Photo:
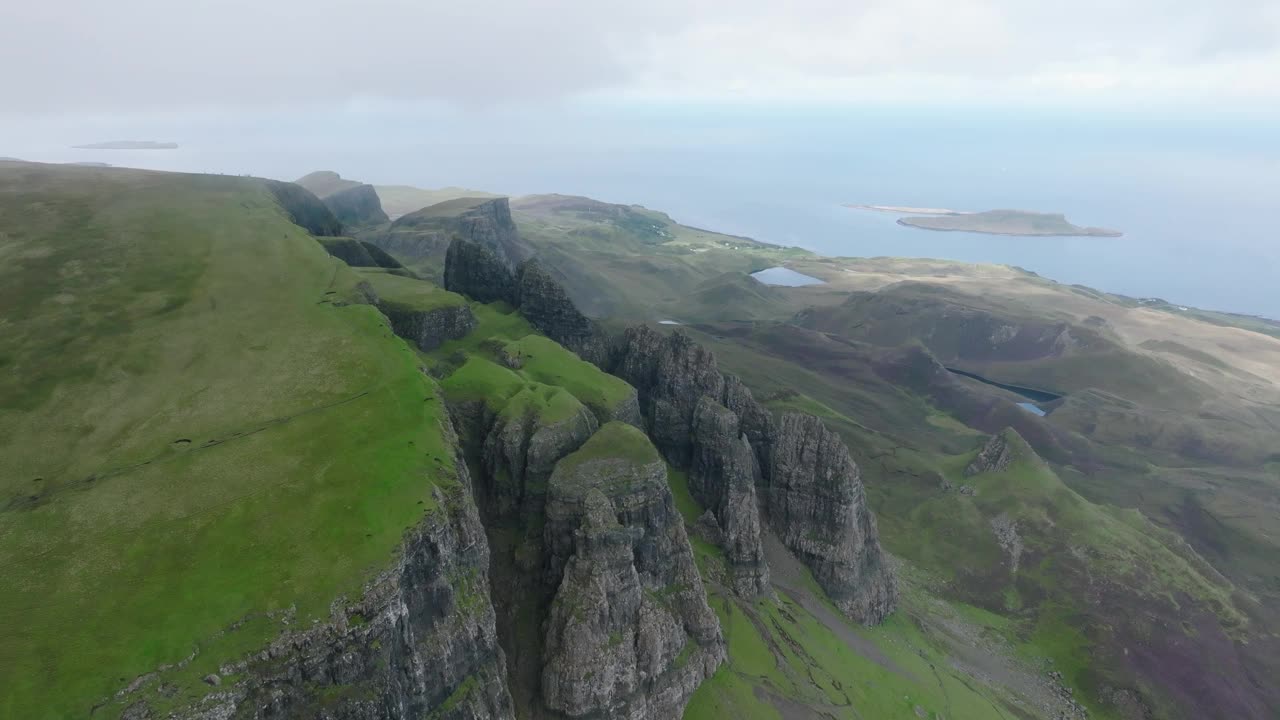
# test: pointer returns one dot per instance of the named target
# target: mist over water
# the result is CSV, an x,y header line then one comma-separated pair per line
x,y
1197,197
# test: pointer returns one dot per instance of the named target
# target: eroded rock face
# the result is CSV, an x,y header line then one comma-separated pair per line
x,y
421,238
305,209
421,640
993,457
722,477
671,373
359,254
476,271
630,634
520,452
547,307
999,452
816,504
357,205
733,449
429,329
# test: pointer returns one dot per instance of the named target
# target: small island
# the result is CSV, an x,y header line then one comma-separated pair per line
x,y
991,222
128,145
1006,222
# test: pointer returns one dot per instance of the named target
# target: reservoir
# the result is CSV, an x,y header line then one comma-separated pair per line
x,y
784,276
1032,408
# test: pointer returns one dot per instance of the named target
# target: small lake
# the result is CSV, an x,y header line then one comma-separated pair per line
x,y
784,276
1032,408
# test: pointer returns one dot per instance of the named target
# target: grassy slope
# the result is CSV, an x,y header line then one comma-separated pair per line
x,y
408,292
471,368
193,434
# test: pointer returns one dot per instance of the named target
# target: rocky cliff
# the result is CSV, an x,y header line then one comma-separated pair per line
x,y
356,206
722,477
815,501
810,489
428,328
305,209
476,271
537,427
630,634
353,203
420,642
357,253
421,238
708,423
547,306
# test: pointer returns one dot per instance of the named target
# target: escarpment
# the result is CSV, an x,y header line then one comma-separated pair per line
x,y
547,306
740,461
428,328
358,205
537,427
353,203
357,253
305,209
630,634
810,489
421,239
421,640
815,501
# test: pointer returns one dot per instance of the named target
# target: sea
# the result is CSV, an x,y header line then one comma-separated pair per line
x,y
1195,192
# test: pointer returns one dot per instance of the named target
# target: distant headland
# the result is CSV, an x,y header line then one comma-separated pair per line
x,y
128,145
991,222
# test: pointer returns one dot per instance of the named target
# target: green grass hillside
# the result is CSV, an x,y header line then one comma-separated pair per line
x,y
195,436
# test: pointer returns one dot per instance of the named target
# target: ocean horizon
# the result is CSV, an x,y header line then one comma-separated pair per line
x,y
1196,197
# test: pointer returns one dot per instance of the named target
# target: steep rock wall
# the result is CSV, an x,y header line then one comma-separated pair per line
x,y
630,634
429,329
358,205
816,503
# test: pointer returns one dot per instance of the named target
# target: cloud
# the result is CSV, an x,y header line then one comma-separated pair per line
x,y
147,54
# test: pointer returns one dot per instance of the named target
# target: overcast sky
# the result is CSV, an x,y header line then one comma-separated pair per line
x,y
59,55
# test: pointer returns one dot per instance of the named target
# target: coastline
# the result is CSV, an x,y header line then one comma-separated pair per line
x,y
906,210
1099,232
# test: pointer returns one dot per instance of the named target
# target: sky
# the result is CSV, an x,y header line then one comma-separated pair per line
x,y
85,56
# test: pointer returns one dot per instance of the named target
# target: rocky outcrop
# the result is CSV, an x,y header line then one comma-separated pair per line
x,y
423,237
815,502
722,477
359,254
630,634
999,452
305,209
476,271
539,426
431,328
420,642
547,307
671,373
706,422
994,456
357,205
352,202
